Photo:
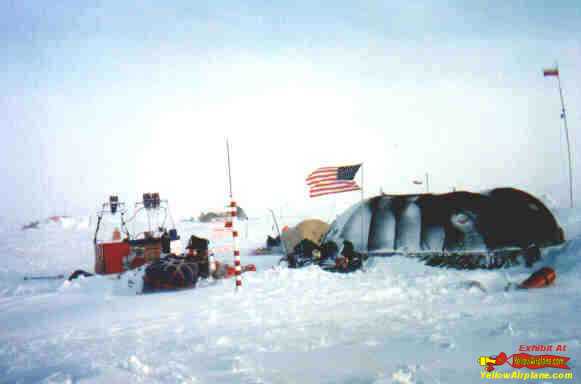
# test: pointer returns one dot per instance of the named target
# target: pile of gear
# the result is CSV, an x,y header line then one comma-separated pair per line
x,y
326,255
176,272
303,247
173,272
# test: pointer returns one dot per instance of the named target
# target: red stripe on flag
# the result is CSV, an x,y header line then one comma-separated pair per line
x,y
321,175
322,178
335,184
334,190
322,170
551,72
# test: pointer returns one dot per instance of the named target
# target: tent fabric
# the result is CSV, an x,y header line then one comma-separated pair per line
x,y
458,221
311,229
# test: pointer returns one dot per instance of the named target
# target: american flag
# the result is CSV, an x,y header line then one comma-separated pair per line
x,y
327,180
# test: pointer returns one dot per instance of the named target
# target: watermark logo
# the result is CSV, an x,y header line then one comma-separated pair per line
x,y
524,359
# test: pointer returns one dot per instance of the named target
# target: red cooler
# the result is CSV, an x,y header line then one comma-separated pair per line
x,y
109,257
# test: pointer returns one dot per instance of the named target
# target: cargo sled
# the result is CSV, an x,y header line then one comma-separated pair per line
x,y
118,249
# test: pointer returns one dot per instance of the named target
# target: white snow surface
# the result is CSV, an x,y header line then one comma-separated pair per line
x,y
398,321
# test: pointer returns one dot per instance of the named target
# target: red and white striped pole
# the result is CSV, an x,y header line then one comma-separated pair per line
x,y
230,224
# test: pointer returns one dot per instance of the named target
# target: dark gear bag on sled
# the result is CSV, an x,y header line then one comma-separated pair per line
x,y
197,243
348,261
199,246
306,252
169,273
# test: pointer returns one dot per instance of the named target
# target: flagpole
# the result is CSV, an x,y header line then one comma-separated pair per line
x,y
229,174
564,117
362,211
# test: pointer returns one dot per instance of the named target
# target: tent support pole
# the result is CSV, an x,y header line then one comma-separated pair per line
x,y
362,211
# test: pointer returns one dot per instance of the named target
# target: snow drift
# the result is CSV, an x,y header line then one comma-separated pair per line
x,y
400,322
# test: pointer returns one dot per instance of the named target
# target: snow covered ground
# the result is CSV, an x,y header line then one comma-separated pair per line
x,y
398,322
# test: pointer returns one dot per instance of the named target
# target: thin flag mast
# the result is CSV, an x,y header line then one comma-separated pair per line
x,y
364,247
228,165
555,72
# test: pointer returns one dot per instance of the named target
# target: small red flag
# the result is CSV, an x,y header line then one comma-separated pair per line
x,y
551,72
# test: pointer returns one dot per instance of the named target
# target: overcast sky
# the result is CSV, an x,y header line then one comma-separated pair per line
x,y
118,97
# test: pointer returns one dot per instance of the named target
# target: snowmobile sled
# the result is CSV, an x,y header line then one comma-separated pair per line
x,y
493,229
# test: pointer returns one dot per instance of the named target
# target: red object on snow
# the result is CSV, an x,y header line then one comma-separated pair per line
x,y
231,270
109,257
540,279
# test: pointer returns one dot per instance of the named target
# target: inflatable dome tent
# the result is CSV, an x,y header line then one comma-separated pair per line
x,y
500,222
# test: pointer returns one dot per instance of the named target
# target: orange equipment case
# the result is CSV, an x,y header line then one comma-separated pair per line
x,y
109,257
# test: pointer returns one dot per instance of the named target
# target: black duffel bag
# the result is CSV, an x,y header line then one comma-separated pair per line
x,y
170,273
198,252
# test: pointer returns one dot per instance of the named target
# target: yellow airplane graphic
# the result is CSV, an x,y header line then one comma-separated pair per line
x,y
486,360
